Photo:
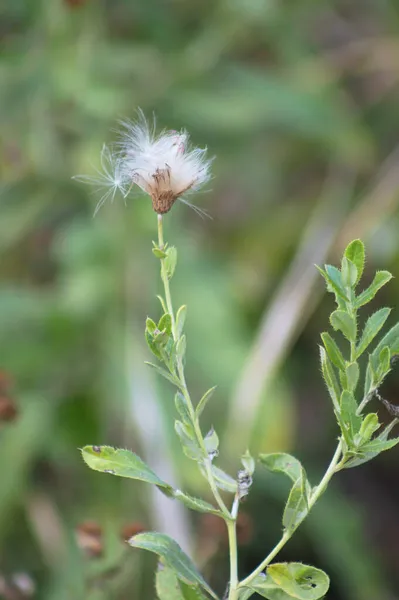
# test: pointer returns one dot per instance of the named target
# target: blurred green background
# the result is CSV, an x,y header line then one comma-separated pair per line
x,y
298,101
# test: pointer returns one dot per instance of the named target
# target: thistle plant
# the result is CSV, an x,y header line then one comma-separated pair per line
x,y
353,368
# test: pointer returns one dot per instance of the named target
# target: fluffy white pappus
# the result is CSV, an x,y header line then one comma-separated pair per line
x,y
164,166
110,178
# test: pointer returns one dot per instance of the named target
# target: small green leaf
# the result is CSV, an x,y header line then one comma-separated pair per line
x,y
350,419
299,581
372,449
123,463
204,400
380,279
170,261
330,378
334,353
282,463
211,442
195,503
248,462
158,253
189,443
222,479
372,327
169,587
297,504
165,324
342,321
167,584
349,274
173,556
352,376
391,340
355,252
180,320
150,326
183,408
162,301
368,427
152,345
172,378
181,348
332,276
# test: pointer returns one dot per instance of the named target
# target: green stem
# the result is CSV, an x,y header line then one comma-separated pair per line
x,y
180,369
318,491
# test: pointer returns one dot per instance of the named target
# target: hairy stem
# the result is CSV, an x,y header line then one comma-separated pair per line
x,y
180,369
317,492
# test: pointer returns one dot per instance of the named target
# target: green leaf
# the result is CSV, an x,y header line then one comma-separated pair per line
x,y
391,340
211,442
349,274
123,463
332,276
180,320
351,420
222,479
165,323
355,252
162,301
334,353
173,556
195,503
282,463
297,504
248,462
152,345
299,580
158,252
169,587
167,584
170,261
372,449
181,348
368,427
372,327
189,443
342,321
183,408
204,400
172,378
352,376
330,378
150,326
380,279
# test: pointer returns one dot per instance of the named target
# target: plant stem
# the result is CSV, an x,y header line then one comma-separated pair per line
x,y
318,491
180,369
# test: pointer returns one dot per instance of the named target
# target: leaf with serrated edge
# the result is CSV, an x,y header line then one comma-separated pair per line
x,y
373,325
173,556
334,353
342,321
121,462
355,252
363,457
380,279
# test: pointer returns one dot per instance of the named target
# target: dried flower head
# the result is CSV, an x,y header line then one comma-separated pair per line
x,y
163,165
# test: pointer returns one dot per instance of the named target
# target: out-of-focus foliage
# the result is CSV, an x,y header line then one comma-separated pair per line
x,y
290,97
